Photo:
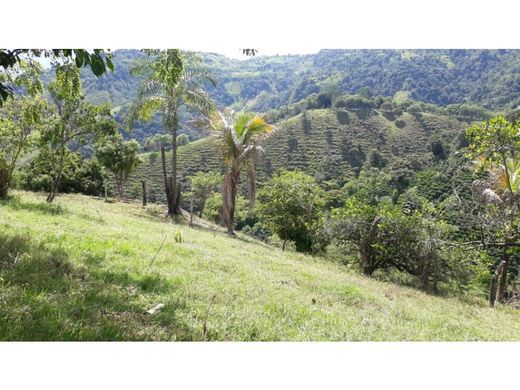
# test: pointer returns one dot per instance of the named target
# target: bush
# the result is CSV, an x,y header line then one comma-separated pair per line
x,y
203,184
213,207
183,139
342,117
291,206
400,123
258,231
405,238
79,175
356,102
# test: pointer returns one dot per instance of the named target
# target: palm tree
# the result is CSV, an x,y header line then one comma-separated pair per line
x,y
171,80
501,190
504,179
239,137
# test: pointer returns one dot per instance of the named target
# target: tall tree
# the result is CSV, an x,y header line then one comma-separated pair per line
x,y
239,137
171,80
496,146
73,124
19,118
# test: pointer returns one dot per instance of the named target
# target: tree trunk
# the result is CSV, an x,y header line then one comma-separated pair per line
x,y
494,284
430,267
191,211
251,188
119,188
366,251
502,286
176,209
4,178
167,188
54,188
57,180
229,193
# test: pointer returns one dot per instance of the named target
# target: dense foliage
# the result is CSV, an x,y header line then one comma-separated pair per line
x,y
118,157
291,206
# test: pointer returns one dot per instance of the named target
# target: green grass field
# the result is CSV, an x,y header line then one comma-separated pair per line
x,y
82,270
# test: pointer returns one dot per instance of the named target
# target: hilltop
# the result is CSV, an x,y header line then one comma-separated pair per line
x,y
484,78
83,269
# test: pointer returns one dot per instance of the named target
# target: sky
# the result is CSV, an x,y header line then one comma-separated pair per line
x,y
237,53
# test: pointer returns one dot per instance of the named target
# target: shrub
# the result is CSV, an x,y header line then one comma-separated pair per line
x,y
400,123
203,184
342,117
183,139
291,206
213,207
405,238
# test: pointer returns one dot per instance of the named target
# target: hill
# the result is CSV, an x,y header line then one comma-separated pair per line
x,y
486,78
326,143
87,270
440,77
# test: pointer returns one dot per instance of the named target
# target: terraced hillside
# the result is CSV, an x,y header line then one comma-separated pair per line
x,y
326,143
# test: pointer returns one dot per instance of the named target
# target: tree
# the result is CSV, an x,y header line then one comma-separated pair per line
x,y
154,143
213,207
120,158
406,237
495,145
98,61
73,123
291,205
79,175
332,88
371,186
171,80
203,184
183,139
239,137
19,118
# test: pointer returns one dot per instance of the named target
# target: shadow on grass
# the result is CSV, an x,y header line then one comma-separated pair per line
x,y
45,208
46,297
16,203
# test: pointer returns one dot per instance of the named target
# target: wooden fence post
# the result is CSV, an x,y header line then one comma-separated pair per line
x,y
191,210
145,199
171,200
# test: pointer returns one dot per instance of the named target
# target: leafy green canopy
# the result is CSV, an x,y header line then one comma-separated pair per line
x,y
98,61
118,157
291,206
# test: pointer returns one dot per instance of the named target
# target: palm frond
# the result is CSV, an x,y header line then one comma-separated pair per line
x,y
199,99
143,109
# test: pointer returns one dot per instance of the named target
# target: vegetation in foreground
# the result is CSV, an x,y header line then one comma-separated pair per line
x,y
83,269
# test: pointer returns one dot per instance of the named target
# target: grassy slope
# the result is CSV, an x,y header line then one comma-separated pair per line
x,y
328,149
81,270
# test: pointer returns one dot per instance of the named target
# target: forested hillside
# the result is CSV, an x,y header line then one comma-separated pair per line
x,y
440,77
